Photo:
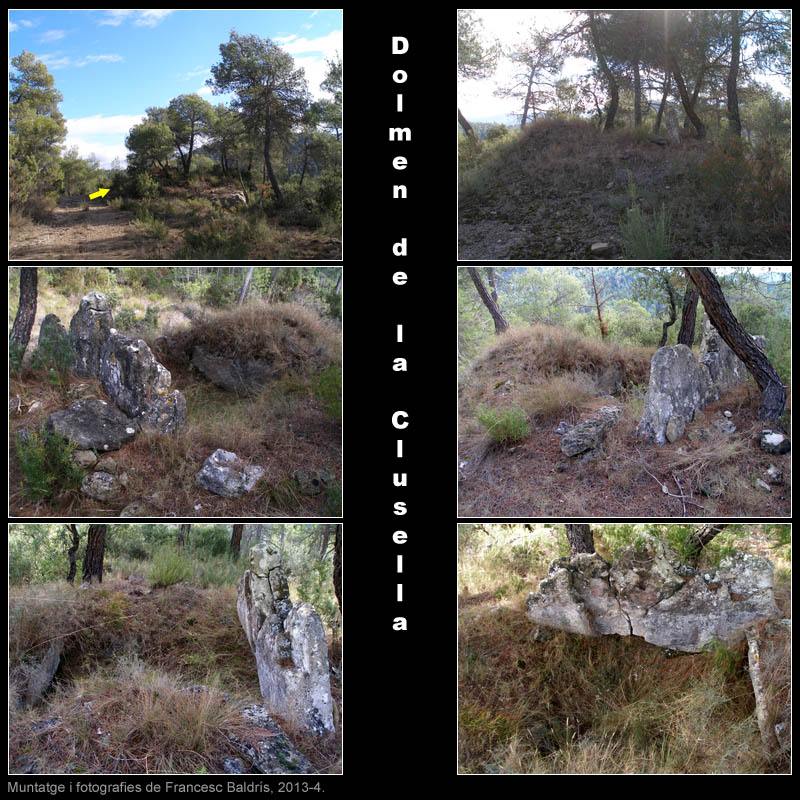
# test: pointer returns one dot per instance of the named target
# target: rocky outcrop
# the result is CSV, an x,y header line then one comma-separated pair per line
x,y
139,384
648,592
769,654
37,676
288,642
93,424
589,434
245,376
89,329
265,746
724,367
224,473
774,442
103,486
679,386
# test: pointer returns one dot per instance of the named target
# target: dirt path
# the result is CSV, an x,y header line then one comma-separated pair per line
x,y
101,233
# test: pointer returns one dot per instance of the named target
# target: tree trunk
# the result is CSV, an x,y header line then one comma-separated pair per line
x,y
598,306
325,540
773,392
273,180
663,105
337,565
183,533
688,315
246,285
613,86
581,539
500,324
686,101
637,95
465,126
673,314
72,552
700,538
527,104
734,120
95,550
26,313
236,540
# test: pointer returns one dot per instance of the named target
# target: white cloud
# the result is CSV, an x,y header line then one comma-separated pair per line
x,y
328,45
23,23
106,58
102,136
193,73
58,61
52,36
204,91
141,17
105,152
12,26
98,124
149,18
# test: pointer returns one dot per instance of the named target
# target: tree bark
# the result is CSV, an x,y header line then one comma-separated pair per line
x,y
273,180
183,533
702,537
465,126
500,324
26,312
673,314
663,105
95,551
581,539
337,565
246,285
686,101
613,86
236,540
598,306
734,120
773,392
688,315
637,95
72,552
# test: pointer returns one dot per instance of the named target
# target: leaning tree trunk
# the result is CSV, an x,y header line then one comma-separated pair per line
x,y
688,315
95,550
773,392
637,95
500,324
700,538
183,533
686,101
337,565
581,539
236,540
26,313
663,105
246,285
465,126
734,120
72,552
613,86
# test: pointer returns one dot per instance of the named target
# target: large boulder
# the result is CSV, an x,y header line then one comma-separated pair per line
x,y
245,376
139,384
103,486
88,331
93,424
265,746
649,592
589,434
289,644
725,368
679,387
224,473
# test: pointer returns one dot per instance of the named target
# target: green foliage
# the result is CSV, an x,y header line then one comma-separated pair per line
x,y
504,425
149,226
223,237
45,460
647,237
169,566
327,386
313,587
55,355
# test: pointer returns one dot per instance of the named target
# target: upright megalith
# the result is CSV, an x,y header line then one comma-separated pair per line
x,y
725,368
139,384
679,387
649,592
89,329
288,641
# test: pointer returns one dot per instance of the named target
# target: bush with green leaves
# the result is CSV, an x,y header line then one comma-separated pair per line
x,y
504,425
45,460
328,390
54,355
169,566
646,236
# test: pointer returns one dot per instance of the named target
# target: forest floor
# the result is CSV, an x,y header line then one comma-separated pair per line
x,y
571,704
122,700
285,428
100,232
715,472
562,186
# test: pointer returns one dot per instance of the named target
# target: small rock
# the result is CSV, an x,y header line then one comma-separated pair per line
x,y
713,486
675,428
774,475
107,464
727,414
562,427
562,466
233,766
225,474
762,485
14,404
101,486
85,459
774,442
724,426
137,508
600,249
34,407
312,482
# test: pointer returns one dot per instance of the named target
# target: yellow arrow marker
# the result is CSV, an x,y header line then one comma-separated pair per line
x,y
99,193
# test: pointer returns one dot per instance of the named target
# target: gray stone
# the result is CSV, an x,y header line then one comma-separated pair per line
x,y
313,482
85,459
245,376
139,384
289,644
265,746
679,386
53,338
727,414
774,475
774,442
724,426
724,366
38,674
88,331
649,593
233,766
224,473
675,427
137,508
93,424
233,200
672,126
561,428
762,485
601,249
713,485
590,433
101,486
107,464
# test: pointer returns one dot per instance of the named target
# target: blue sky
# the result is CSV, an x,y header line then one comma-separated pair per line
x,y
111,65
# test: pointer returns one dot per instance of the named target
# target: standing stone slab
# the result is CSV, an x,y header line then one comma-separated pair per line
x,y
139,384
726,369
245,376
93,424
89,329
589,434
672,126
224,473
288,642
679,387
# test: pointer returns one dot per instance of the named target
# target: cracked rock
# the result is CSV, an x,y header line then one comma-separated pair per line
x,y
589,434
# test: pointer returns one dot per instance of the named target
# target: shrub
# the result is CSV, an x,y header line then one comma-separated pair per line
x,y
143,185
647,237
169,567
328,390
504,425
145,224
46,464
54,354
561,395
221,237
40,207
